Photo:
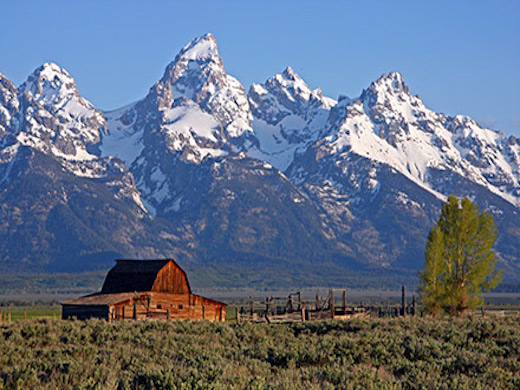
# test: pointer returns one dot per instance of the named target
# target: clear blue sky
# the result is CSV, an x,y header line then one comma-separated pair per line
x,y
460,56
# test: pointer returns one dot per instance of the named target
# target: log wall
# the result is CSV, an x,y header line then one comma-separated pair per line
x,y
169,307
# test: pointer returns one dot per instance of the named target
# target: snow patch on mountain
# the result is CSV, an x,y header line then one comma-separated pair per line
x,y
121,140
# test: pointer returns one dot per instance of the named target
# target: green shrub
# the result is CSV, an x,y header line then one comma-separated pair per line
x,y
410,353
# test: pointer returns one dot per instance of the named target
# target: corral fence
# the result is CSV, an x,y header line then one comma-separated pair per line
x,y
334,305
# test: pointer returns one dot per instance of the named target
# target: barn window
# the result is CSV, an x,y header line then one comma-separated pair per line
x,y
159,306
181,307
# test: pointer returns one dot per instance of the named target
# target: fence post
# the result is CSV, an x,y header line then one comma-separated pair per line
x,y
252,304
317,300
332,303
344,301
300,306
135,309
403,310
414,305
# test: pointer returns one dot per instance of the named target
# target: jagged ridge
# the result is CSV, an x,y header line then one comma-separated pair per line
x,y
367,173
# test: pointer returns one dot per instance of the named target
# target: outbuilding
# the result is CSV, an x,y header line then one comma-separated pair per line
x,y
139,289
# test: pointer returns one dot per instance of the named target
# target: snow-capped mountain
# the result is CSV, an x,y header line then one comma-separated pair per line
x,y
288,117
384,157
388,125
61,203
283,175
198,74
54,118
47,114
195,111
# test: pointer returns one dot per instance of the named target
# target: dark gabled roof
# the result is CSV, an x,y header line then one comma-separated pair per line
x,y
132,275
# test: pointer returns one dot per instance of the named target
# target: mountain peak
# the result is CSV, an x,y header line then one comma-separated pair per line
x,y
290,74
49,84
196,65
199,49
391,91
291,83
51,71
393,82
198,74
56,119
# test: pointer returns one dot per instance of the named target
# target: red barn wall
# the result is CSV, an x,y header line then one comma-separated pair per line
x,y
171,279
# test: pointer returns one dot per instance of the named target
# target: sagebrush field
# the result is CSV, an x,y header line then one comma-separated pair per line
x,y
406,353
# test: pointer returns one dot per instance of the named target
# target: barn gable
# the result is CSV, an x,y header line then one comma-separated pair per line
x,y
146,275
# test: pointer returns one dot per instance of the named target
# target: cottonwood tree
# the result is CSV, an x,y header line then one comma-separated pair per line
x,y
459,259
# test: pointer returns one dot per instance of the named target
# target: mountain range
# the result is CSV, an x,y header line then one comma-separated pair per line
x,y
279,185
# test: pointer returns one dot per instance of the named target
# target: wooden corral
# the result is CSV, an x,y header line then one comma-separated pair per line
x,y
138,289
295,310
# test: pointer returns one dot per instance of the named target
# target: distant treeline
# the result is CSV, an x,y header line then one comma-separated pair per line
x,y
226,280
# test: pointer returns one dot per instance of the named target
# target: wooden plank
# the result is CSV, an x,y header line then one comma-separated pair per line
x,y
172,279
332,313
403,303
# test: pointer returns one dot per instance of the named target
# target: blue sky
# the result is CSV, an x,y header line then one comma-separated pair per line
x,y
460,56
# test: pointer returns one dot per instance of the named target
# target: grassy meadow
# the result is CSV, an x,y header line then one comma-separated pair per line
x,y
402,353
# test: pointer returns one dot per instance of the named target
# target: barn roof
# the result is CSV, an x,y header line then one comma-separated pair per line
x,y
101,299
135,275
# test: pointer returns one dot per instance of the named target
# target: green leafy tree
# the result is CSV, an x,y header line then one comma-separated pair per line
x,y
432,289
459,259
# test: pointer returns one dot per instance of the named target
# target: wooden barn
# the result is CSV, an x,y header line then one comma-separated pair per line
x,y
138,289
